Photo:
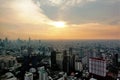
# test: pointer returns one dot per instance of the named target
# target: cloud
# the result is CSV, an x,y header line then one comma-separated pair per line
x,y
111,1
22,11
22,18
77,2
81,11
63,3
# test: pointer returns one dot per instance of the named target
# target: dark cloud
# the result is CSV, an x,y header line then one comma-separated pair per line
x,y
99,11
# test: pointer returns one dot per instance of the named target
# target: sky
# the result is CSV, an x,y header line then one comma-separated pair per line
x,y
39,19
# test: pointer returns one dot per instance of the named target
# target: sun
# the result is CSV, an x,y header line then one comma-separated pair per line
x,y
59,24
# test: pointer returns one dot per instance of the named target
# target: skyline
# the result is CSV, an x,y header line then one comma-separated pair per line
x,y
40,19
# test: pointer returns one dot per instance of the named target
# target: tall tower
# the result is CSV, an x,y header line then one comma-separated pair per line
x,y
6,43
29,41
53,59
66,62
43,75
115,60
71,59
72,63
70,51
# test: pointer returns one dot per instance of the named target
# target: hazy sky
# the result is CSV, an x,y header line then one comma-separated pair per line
x,y
83,19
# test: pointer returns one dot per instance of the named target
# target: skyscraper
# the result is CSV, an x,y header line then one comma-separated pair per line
x,y
53,59
43,75
72,62
66,62
78,65
59,59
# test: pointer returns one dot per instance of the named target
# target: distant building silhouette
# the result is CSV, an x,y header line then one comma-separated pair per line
x,y
68,62
53,60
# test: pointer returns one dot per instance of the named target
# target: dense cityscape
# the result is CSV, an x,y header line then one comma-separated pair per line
x,y
59,59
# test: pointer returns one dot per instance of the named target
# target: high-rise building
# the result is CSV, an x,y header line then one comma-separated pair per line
x,y
97,66
28,76
53,59
115,60
66,63
78,65
72,63
43,75
70,50
118,60
59,59
72,59
116,63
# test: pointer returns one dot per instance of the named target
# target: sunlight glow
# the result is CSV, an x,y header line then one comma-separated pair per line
x,y
26,6
59,24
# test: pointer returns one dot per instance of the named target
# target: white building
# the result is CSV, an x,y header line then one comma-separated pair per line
x,y
78,65
43,75
97,66
28,76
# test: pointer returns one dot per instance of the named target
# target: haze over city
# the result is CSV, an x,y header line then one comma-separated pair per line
x,y
60,19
